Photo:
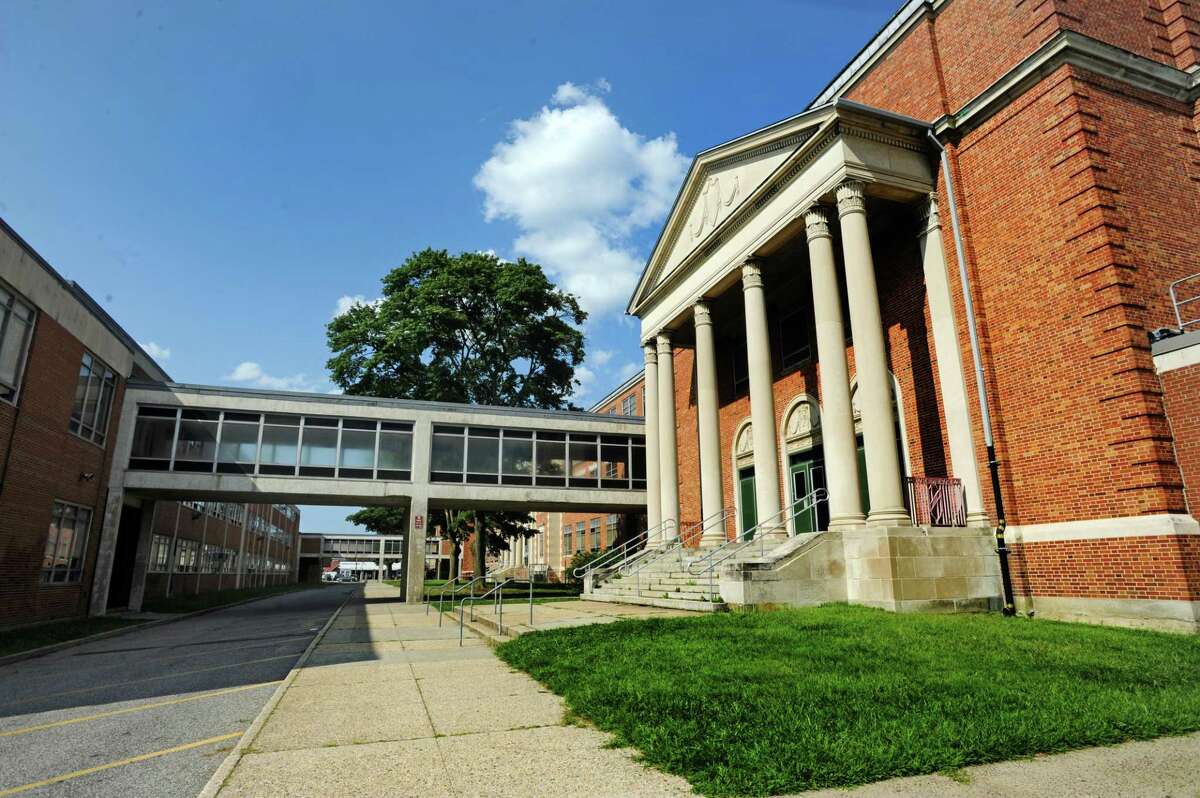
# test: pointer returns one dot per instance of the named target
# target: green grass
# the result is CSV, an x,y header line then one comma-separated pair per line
x,y
762,703
217,598
47,634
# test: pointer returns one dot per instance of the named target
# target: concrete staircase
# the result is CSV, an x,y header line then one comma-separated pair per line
x,y
663,581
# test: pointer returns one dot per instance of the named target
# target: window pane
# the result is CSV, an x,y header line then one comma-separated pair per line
x,y
358,449
11,348
81,389
83,520
483,455
103,407
239,442
279,445
518,457
152,438
447,453
614,462
197,441
52,539
551,459
395,451
583,459
639,462
319,447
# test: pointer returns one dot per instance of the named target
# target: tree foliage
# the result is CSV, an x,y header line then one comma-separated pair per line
x,y
461,328
465,328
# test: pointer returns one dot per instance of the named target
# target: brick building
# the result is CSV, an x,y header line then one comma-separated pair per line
x,y
804,316
64,365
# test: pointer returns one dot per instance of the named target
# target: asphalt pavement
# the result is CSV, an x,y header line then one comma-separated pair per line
x,y
150,713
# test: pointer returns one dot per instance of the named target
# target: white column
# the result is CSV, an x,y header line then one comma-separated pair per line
x,y
668,463
709,432
653,493
762,406
870,358
837,418
949,365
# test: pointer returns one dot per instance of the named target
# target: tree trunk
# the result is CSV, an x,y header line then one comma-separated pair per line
x,y
454,559
480,549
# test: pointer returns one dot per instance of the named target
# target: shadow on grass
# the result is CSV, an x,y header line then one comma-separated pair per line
x,y
777,702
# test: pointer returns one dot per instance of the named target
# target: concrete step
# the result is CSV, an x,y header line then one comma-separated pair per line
x,y
697,593
652,601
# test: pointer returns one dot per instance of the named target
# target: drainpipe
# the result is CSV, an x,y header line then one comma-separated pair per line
x,y
984,411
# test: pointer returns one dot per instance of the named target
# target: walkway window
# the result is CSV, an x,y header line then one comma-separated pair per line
x,y
16,323
585,467
66,544
230,442
551,454
93,399
516,467
160,554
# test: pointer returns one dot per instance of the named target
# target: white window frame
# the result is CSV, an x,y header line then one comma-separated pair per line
x,y
6,315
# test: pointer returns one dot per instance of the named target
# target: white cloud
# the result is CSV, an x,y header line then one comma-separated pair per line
x,y
578,185
629,369
155,351
345,302
601,357
587,379
251,373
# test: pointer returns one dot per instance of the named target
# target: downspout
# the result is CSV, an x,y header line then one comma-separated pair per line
x,y
981,389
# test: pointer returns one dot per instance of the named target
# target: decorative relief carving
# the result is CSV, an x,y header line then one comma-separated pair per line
x,y
802,421
745,442
816,223
701,315
852,197
710,202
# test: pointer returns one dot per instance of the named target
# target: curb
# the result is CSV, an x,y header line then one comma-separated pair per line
x,y
124,630
217,780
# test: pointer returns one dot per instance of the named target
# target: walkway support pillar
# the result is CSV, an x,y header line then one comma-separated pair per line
x,y
949,365
709,433
837,417
668,462
653,492
870,357
414,550
762,405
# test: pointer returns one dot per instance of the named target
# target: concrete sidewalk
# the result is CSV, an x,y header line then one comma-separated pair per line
x,y
389,704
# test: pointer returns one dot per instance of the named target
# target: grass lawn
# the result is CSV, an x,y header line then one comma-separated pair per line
x,y
761,703
47,634
191,602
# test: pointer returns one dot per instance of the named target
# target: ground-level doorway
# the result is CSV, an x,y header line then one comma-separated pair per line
x,y
807,472
747,501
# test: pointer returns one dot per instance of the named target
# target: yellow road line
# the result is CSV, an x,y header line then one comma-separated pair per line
x,y
138,708
74,774
148,679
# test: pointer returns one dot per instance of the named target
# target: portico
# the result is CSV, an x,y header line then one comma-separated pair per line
x,y
797,259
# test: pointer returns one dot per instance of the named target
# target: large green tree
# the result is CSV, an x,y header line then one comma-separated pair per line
x,y
461,328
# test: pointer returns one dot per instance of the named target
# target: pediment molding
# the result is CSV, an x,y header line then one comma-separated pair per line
x,y
838,121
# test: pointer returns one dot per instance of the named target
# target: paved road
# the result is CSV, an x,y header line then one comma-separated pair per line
x,y
152,712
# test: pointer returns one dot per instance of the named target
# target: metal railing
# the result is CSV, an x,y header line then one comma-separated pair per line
x,y
455,592
711,561
936,501
618,556
1189,298
497,607
677,546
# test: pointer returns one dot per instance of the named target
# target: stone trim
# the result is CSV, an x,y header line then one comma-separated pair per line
x,y
1164,614
1178,358
1097,528
1084,52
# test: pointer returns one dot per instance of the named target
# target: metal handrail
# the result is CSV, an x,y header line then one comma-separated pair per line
x,y
606,560
723,553
675,545
1176,302
444,585
721,516
456,591
499,601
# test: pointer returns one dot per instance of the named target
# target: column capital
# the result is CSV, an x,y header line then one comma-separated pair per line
x,y
752,273
650,352
663,342
816,223
930,218
700,314
851,197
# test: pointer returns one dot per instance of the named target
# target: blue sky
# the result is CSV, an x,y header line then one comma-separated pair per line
x,y
221,175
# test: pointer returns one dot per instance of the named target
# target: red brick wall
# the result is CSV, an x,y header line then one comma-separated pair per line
x,y
1161,567
44,462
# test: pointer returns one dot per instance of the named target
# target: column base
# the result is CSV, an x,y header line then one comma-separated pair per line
x,y
893,517
979,519
847,522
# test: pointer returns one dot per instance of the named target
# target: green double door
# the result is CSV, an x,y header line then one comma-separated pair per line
x,y
807,472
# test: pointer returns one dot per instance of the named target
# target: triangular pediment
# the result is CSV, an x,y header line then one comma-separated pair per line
x,y
718,185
